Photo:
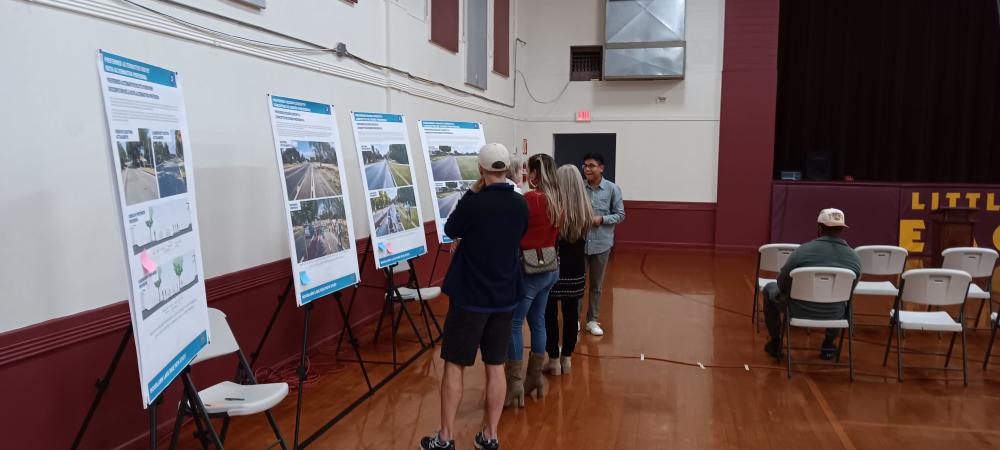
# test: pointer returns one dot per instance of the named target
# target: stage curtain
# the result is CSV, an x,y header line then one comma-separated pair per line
x,y
889,90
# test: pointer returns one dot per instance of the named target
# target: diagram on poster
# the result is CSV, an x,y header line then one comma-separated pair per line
x,y
317,205
151,153
397,230
451,151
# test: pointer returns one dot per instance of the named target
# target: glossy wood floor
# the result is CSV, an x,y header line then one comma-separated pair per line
x,y
677,309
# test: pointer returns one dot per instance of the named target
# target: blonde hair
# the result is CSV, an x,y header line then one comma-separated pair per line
x,y
545,182
577,212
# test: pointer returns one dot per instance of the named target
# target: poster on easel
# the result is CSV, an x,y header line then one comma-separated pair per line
x,y
152,158
393,204
451,154
315,194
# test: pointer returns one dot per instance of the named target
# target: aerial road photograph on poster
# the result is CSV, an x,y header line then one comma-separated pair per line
x,y
386,166
138,173
168,152
448,194
320,228
310,169
451,163
394,210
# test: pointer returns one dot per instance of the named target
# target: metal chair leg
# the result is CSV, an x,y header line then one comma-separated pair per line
x,y
989,348
951,346
840,346
850,348
965,361
277,431
888,345
899,352
754,316
788,344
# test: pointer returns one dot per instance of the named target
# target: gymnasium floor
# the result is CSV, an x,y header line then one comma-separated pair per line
x,y
678,309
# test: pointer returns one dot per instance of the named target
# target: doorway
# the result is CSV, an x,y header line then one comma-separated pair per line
x,y
571,147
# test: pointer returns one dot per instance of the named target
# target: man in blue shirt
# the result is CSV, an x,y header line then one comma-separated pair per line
x,y
609,210
483,285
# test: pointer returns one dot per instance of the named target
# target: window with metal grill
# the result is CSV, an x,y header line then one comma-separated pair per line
x,y
585,63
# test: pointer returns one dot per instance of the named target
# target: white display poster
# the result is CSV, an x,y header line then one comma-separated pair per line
x,y
451,151
317,205
397,230
151,150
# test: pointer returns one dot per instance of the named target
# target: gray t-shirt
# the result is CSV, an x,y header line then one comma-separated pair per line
x,y
822,252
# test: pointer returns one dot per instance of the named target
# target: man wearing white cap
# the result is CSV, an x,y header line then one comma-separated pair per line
x,y
827,250
483,285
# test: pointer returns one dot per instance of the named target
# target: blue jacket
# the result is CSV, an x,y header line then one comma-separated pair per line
x,y
606,199
485,273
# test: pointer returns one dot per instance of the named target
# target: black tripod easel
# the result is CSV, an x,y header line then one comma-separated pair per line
x,y
102,386
394,298
338,296
302,370
437,255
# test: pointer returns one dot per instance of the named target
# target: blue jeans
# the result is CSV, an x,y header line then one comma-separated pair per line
x,y
532,307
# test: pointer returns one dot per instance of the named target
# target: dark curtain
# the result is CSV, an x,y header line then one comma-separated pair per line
x,y
889,90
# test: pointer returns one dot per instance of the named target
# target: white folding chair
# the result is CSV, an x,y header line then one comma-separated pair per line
x,y
413,292
770,258
882,261
409,293
930,287
979,263
226,399
822,285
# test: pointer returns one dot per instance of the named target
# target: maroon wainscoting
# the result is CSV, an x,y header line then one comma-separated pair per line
x,y
746,128
666,225
871,210
48,370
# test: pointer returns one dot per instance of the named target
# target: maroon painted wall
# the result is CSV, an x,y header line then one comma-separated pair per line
x,y
746,129
48,370
650,225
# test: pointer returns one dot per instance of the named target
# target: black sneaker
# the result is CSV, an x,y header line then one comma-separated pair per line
x,y
435,442
485,444
773,348
828,352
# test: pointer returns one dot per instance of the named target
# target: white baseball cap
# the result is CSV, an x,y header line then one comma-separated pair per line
x,y
832,217
494,157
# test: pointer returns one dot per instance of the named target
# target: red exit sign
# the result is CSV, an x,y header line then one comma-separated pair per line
x,y
583,116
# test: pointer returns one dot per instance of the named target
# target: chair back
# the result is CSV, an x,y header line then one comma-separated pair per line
x,y
822,284
773,256
223,341
978,262
882,259
938,287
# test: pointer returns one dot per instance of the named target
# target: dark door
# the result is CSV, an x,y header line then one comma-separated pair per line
x,y
570,149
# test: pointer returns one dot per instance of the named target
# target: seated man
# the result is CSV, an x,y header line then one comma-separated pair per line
x,y
828,250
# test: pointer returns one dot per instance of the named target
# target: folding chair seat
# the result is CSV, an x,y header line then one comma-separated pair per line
x,y
979,263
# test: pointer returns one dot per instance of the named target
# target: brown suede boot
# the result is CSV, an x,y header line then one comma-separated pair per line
x,y
534,382
515,383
